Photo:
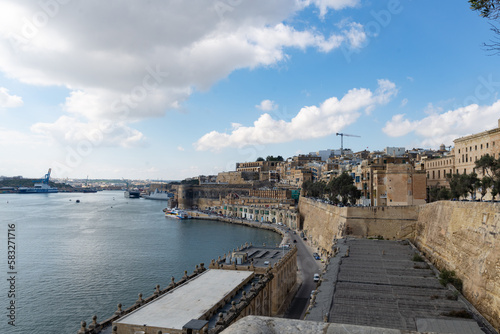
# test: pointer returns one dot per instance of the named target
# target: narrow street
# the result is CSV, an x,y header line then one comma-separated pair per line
x,y
307,267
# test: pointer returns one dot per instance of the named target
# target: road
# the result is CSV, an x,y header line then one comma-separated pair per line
x,y
307,266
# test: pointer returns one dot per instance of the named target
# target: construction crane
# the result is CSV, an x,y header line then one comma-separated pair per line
x,y
342,141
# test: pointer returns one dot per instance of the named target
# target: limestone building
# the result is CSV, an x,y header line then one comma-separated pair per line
x,y
389,181
471,148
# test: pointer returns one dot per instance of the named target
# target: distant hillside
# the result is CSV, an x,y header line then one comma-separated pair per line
x,y
30,182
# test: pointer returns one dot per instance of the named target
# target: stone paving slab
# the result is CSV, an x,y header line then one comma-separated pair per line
x,y
378,284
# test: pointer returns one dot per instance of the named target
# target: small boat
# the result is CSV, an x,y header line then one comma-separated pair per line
x,y
77,201
176,213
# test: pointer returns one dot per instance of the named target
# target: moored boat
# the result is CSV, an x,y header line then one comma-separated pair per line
x,y
42,187
176,213
132,194
159,195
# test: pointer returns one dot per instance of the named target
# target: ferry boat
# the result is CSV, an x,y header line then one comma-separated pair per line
x,y
132,194
42,187
159,195
176,213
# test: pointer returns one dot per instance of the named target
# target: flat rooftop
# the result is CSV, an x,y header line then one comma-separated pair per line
x,y
188,301
262,256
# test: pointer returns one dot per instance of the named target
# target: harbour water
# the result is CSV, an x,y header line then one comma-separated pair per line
x,y
74,260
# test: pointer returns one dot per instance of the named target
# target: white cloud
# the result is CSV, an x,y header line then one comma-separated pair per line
x,y
180,148
152,57
354,32
267,105
404,102
438,128
310,122
9,101
325,5
92,134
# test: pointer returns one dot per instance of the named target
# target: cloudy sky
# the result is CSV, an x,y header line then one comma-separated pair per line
x,y
168,89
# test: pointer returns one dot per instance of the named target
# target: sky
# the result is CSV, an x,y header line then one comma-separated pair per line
x,y
170,89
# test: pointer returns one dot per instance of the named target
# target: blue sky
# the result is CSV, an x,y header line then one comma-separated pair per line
x,y
174,89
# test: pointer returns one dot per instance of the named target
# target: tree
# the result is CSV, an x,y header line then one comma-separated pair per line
x,y
489,9
486,183
342,189
314,189
463,184
490,169
272,158
437,193
260,159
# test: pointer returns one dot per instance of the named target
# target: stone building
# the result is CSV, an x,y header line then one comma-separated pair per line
x,y
471,148
206,304
398,185
256,166
273,214
438,168
238,177
389,181
280,264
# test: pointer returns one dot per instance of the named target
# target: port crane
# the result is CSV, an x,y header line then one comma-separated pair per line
x,y
342,141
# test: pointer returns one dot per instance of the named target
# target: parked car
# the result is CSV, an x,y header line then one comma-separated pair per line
x,y
316,277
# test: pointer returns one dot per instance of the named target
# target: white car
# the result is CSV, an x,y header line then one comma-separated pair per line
x,y
316,277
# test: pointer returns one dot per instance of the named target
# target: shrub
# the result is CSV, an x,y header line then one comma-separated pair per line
x,y
417,258
448,276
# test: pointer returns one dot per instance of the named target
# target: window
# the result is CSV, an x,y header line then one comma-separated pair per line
x,y
487,145
475,148
481,146
458,151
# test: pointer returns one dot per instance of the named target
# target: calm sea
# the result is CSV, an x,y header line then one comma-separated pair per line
x,y
74,260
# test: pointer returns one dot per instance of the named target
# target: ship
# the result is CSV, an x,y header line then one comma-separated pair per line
x,y
176,213
132,194
42,187
159,195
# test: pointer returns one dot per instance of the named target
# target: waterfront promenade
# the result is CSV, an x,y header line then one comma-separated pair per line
x,y
306,264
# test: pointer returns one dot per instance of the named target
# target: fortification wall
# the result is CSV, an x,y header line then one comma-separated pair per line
x,y
459,236
395,222
323,222
465,237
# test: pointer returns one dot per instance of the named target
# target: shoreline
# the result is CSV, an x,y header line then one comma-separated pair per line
x,y
282,230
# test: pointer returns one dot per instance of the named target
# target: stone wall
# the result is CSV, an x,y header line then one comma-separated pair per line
x,y
324,222
395,222
465,237
459,236
321,222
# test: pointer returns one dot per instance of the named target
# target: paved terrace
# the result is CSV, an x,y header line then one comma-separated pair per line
x,y
378,284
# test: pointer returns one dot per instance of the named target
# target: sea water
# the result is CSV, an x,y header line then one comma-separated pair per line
x,y
73,260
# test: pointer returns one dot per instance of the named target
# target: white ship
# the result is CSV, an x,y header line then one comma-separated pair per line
x,y
42,187
159,195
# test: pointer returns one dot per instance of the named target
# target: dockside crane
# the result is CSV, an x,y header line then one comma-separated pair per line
x,y
342,141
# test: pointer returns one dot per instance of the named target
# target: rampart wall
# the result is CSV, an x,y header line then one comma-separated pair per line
x,y
465,237
459,236
323,222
